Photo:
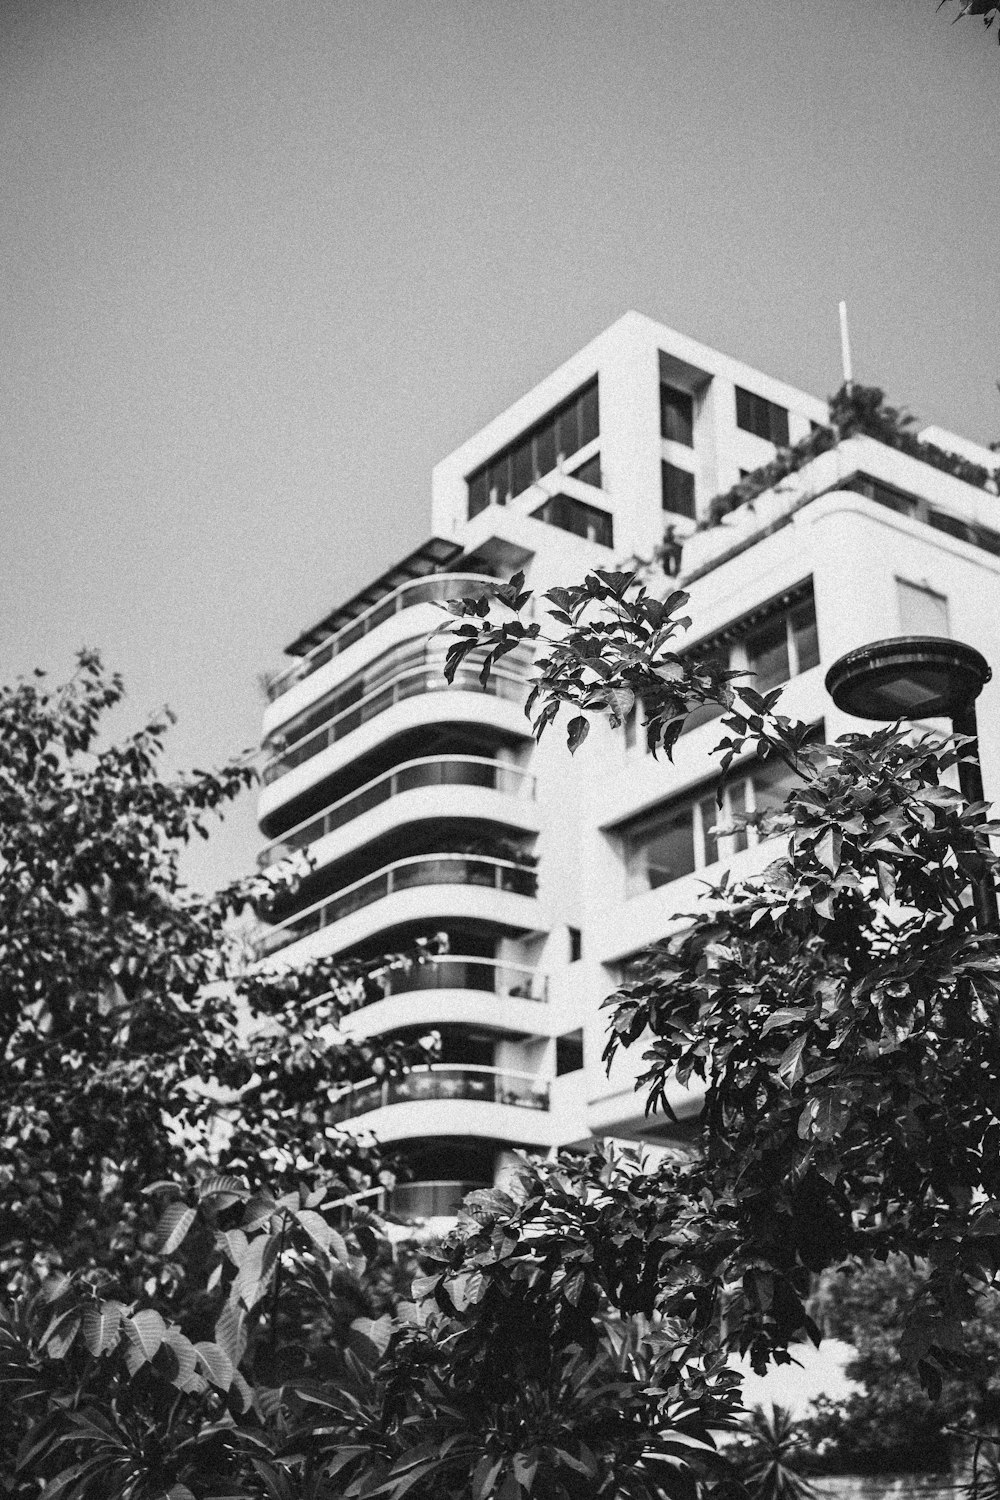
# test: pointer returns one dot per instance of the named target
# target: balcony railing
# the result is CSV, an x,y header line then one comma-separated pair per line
x,y
407,683
421,591
401,875
429,770
430,1200
489,976
443,1081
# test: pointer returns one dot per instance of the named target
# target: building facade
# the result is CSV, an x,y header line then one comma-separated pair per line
x,y
429,808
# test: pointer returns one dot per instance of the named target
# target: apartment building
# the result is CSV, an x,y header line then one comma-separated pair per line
x,y
427,807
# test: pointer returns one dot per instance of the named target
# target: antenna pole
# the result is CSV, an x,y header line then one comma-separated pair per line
x,y
845,348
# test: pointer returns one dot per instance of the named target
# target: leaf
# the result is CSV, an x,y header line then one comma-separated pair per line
x,y
576,732
60,1335
790,1065
785,1015
215,1363
220,1186
254,1269
230,1334
175,1221
827,848
146,1331
102,1323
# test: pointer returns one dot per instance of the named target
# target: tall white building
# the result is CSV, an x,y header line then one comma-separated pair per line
x,y
427,808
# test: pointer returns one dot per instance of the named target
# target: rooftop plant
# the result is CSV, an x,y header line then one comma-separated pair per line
x,y
855,411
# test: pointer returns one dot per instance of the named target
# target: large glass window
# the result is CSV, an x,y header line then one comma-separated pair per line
x,y
676,415
575,516
659,850
564,431
783,647
677,487
694,832
763,418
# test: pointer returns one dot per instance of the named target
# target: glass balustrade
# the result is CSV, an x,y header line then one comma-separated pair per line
x,y
453,972
404,874
440,1081
440,770
422,591
407,683
431,1200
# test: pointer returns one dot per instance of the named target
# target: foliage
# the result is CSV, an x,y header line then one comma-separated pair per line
x,y
855,411
198,1301
891,1424
839,1010
142,1052
770,1456
989,10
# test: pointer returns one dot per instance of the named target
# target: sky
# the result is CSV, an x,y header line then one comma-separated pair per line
x,y
263,263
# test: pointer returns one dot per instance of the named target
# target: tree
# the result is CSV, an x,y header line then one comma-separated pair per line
x,y
891,1424
171,1181
840,1010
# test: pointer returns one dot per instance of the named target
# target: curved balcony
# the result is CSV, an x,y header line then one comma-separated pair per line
x,y
482,871
454,972
443,1081
453,991
433,590
406,683
431,1200
427,771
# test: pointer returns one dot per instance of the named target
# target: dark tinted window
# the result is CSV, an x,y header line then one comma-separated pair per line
x,y
678,490
767,654
568,428
676,415
761,417
590,472
659,851
569,1053
590,424
479,496
545,449
582,520
805,636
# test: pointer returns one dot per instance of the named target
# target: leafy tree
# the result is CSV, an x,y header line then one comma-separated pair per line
x,y
840,1010
166,1133
891,1424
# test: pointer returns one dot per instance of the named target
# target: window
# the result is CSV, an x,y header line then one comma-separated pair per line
x,y
659,850
590,472
912,505
676,415
678,490
569,1053
761,417
564,431
921,610
693,832
783,647
780,642
582,520
575,944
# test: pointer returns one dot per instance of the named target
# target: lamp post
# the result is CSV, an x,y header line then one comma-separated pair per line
x,y
922,677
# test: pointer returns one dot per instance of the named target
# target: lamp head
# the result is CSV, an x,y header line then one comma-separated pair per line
x,y
908,677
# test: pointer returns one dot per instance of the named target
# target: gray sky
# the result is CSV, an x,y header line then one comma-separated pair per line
x,y
263,263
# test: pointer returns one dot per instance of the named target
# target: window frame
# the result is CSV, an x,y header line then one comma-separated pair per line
x,y
738,783
576,417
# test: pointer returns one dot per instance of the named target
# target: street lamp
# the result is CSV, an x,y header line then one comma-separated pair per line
x,y
922,677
